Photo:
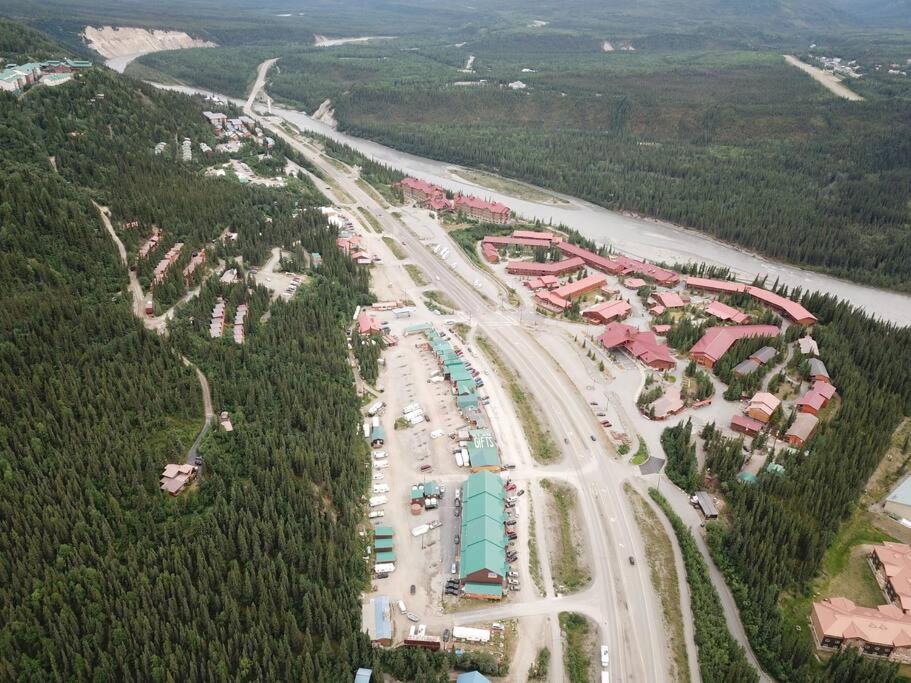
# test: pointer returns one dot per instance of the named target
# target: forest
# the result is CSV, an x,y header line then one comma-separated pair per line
x,y
253,574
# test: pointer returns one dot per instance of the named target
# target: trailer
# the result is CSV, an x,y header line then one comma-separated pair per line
x,y
384,568
376,501
375,408
381,488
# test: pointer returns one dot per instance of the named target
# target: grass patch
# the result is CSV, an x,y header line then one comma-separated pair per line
x,y
660,554
462,330
570,572
440,300
641,454
542,445
394,247
844,572
370,190
577,659
539,670
534,562
417,275
505,185
372,222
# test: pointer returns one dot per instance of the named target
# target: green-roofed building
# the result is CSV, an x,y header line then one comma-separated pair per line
x,y
484,562
482,451
431,489
483,482
78,64
465,387
384,532
385,556
483,528
468,402
483,591
483,505
383,544
459,372
418,328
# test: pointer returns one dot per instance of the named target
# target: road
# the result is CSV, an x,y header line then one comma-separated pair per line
x,y
827,80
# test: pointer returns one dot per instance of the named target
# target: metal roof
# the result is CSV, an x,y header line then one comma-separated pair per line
x,y
483,482
901,493
482,556
483,505
383,532
706,503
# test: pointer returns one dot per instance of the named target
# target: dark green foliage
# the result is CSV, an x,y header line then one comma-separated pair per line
x,y
685,333
682,467
367,349
721,658
256,573
723,456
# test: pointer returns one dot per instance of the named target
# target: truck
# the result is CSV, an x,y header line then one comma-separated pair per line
x,y
375,408
376,501
458,459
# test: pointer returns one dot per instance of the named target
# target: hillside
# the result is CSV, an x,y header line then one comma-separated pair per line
x,y
248,575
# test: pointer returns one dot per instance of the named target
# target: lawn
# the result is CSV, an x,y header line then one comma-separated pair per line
x,y
394,247
577,655
417,275
569,569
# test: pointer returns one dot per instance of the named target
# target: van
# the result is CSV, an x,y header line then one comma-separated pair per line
x,y
402,607
452,570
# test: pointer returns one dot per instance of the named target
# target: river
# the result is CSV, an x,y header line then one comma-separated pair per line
x,y
654,240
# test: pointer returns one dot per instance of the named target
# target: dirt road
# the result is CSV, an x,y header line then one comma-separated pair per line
x,y
826,79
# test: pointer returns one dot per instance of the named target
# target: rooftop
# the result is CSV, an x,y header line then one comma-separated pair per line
x,y
717,340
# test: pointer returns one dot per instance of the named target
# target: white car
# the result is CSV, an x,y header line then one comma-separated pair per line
x,y
378,476
380,465
605,657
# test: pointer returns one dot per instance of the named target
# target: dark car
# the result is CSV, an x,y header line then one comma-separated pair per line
x,y
457,539
382,575
593,438
446,635
412,589
632,560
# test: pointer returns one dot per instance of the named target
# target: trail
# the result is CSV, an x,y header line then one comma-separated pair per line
x,y
158,324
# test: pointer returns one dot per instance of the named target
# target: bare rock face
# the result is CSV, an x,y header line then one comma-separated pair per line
x,y
120,41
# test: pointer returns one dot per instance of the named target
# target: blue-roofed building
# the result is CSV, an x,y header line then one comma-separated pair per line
x,y
363,675
898,503
377,620
472,677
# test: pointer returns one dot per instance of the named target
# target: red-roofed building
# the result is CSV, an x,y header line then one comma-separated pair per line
x,y
420,191
791,309
669,299
490,252
642,345
545,281
439,204
574,290
892,565
661,329
592,259
533,235
492,212
662,276
550,301
367,324
717,340
717,286
825,389
811,402
607,312
727,313
883,631
634,283
746,425
551,268
499,241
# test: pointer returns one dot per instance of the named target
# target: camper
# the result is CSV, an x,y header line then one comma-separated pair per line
x,y
375,408
410,408
381,488
376,501
384,568
376,513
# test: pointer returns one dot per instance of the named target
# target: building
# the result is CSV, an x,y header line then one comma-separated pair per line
x,y
608,312
891,564
898,503
534,235
239,316
552,268
811,402
363,675
217,325
176,477
150,245
718,340
482,451
169,259
818,372
744,368
762,405
808,346
499,241
662,276
643,346
482,557
472,677
746,425
883,631
56,79
668,403
376,616
669,299
579,288
726,313
196,260
764,355
783,305
420,191
367,324
545,281
593,260
480,209
802,429
634,283
490,252
704,502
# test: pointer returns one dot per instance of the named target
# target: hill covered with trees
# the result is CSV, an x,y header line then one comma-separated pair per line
x,y
255,573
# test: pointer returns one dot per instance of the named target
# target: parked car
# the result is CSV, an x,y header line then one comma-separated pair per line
x,y
413,617
513,574
593,438
457,539
426,468
632,560
605,657
446,635
452,570
412,589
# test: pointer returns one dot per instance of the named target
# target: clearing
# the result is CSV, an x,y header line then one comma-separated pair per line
x,y
577,655
417,275
495,183
828,80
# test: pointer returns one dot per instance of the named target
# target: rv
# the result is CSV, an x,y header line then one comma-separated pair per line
x,y
375,408
376,501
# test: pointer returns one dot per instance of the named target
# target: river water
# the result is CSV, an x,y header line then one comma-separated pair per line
x,y
654,240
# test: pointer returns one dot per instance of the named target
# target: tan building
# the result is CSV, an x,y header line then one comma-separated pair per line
x,y
762,405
